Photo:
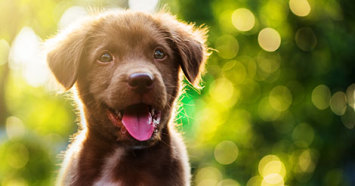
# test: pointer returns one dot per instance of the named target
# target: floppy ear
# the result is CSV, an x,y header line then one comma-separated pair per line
x,y
64,53
190,45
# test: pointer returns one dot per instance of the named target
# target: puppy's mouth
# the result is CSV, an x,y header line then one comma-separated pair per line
x,y
140,120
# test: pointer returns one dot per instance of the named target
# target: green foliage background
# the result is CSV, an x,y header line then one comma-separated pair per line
x,y
263,118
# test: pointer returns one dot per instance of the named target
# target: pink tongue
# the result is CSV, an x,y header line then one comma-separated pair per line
x,y
138,122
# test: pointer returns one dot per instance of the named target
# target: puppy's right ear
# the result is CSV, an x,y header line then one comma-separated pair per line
x,y
64,53
189,44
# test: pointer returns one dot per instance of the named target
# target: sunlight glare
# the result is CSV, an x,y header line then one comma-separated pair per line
x,y
4,51
143,5
71,15
26,56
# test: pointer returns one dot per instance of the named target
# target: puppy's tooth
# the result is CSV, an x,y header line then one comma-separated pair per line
x,y
123,130
156,122
119,115
150,121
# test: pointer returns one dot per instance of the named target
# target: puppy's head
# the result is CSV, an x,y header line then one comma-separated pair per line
x,y
126,67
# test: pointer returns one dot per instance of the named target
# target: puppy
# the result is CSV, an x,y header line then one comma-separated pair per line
x,y
127,68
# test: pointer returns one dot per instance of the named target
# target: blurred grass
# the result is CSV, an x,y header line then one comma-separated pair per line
x,y
277,106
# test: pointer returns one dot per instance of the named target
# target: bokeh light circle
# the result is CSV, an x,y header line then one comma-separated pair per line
x,y
303,135
226,152
227,46
273,180
254,181
16,181
348,118
305,39
321,96
14,127
236,71
222,91
17,155
350,94
243,19
208,176
266,111
268,62
271,164
338,103
306,163
280,98
228,182
300,7
269,39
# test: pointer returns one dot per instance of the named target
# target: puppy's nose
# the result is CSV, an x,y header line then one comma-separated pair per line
x,y
141,82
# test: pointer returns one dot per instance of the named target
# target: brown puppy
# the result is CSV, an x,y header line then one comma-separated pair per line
x,y
127,66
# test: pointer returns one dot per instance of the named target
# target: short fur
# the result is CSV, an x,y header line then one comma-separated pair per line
x,y
101,154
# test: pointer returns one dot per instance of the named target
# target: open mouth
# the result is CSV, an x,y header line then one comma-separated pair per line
x,y
140,120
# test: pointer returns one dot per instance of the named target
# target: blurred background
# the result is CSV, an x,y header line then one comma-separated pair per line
x,y
277,106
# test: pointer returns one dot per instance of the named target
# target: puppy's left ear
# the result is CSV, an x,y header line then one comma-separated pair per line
x,y
64,53
189,43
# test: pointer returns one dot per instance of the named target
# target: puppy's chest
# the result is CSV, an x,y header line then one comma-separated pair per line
x,y
107,172
120,171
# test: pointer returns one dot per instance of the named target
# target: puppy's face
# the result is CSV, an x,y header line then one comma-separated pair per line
x,y
132,74
127,67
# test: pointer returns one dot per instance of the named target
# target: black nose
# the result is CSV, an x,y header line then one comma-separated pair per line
x,y
141,82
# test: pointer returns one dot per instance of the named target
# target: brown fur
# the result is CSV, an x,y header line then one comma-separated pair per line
x,y
131,38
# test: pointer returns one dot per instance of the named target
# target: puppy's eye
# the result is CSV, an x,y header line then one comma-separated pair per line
x,y
105,57
159,53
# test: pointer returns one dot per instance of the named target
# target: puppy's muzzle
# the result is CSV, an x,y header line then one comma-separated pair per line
x,y
141,82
